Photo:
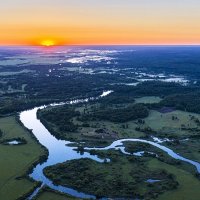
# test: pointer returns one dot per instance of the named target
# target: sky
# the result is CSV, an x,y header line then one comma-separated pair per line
x,y
28,22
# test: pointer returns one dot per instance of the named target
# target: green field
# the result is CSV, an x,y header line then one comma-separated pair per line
x,y
188,185
91,137
149,99
92,131
163,122
16,160
184,129
176,124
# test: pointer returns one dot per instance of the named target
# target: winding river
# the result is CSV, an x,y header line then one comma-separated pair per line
x,y
60,150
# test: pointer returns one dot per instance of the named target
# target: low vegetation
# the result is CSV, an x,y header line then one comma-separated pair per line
x,y
153,108
122,177
16,160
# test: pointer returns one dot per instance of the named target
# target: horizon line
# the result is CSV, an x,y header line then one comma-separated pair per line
x,y
29,45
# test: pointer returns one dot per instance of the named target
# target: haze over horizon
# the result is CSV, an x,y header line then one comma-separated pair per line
x,y
92,22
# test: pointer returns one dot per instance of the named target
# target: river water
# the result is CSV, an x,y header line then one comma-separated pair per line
x,y
59,151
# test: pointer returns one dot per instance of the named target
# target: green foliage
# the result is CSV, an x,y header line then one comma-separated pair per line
x,y
186,102
120,115
122,177
11,105
151,88
61,117
1,133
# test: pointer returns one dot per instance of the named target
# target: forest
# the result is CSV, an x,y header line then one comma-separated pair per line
x,y
119,115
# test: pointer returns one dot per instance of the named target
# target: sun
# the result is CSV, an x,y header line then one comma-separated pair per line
x,y
48,43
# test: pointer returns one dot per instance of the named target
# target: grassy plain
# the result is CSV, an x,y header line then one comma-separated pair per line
x,y
148,99
163,122
16,160
183,128
188,185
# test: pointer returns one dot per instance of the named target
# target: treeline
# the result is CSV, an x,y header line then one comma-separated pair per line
x,y
106,179
174,95
120,115
152,88
11,105
61,117
117,98
1,133
186,102
125,94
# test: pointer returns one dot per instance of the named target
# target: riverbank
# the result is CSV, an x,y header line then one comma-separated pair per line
x,y
122,177
17,160
57,147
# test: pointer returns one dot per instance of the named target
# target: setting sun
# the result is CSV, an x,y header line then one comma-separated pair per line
x,y
48,43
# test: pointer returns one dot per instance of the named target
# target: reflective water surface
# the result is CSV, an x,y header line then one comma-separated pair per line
x,y
59,151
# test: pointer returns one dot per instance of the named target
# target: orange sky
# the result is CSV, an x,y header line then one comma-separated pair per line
x,y
100,21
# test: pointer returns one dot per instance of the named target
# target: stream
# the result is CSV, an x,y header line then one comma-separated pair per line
x,y
60,151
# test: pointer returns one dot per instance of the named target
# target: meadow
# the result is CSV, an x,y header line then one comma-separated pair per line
x,y
16,160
